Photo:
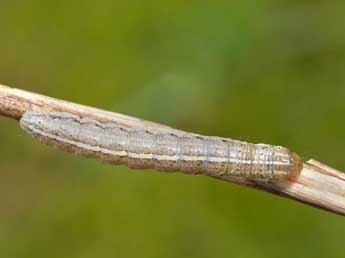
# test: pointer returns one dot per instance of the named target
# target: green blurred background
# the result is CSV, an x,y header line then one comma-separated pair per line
x,y
267,71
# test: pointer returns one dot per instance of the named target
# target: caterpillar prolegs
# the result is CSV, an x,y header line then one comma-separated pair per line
x,y
150,149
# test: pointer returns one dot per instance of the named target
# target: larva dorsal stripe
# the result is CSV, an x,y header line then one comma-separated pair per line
x,y
146,148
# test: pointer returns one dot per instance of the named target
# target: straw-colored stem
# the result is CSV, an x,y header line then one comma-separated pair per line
x,y
317,184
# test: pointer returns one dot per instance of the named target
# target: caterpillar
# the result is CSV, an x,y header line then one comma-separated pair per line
x,y
146,148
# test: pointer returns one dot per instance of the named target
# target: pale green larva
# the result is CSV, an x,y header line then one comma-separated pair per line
x,y
146,148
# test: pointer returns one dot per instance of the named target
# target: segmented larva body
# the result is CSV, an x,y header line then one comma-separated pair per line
x,y
149,149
